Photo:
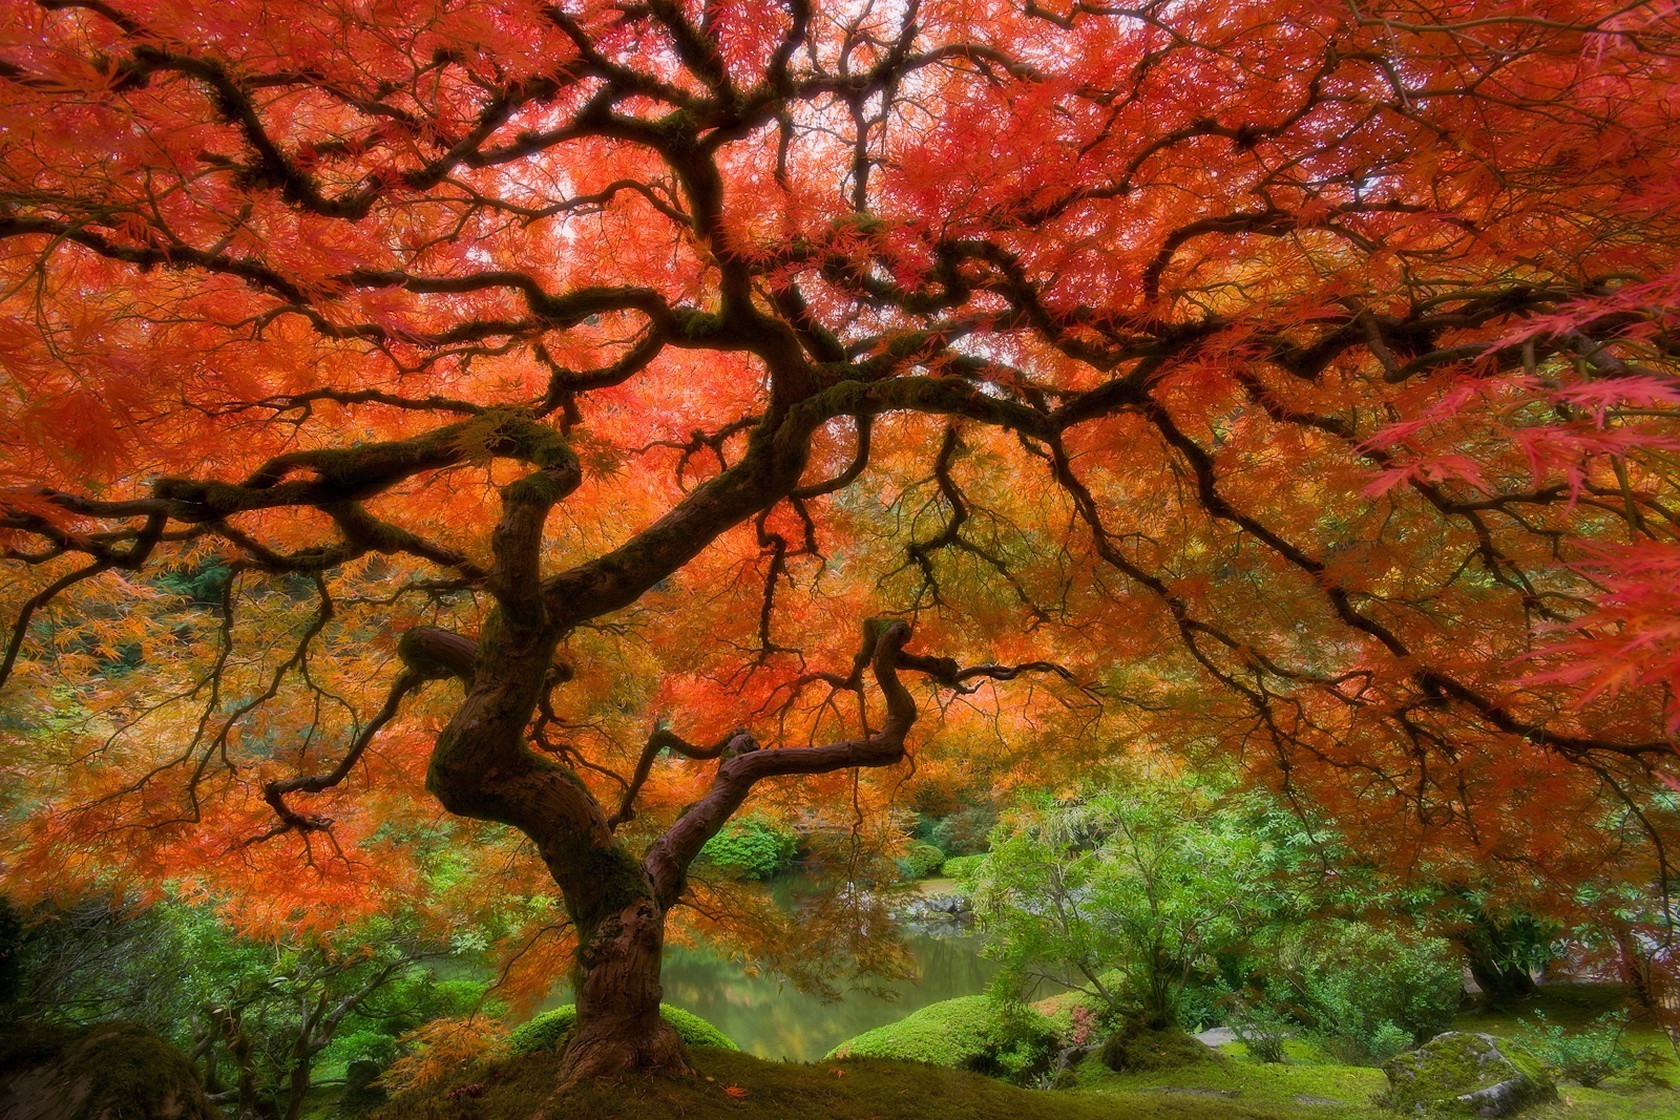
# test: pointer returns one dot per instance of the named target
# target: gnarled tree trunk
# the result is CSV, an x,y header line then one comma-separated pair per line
x,y
618,991
482,768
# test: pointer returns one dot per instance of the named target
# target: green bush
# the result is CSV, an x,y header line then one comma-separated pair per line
x,y
1261,1030
973,1032
920,861
546,1031
1203,999
960,832
1368,991
367,1045
1587,1055
751,848
961,867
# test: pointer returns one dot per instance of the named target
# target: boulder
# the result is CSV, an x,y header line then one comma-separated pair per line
x,y
1463,1074
360,1075
110,1071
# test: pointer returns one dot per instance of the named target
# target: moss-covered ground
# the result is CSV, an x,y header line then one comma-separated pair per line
x,y
1310,1086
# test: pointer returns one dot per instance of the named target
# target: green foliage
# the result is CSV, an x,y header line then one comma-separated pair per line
x,y
1588,1055
548,1030
920,861
962,831
201,583
1154,880
751,848
962,867
973,1032
366,1045
178,970
1261,1030
1204,999
1368,991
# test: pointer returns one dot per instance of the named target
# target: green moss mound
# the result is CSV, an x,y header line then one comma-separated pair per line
x,y
1463,1074
736,1086
1138,1048
110,1071
973,1033
546,1031
920,861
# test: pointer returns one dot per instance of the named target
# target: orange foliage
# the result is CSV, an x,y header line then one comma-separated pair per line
x,y
1296,384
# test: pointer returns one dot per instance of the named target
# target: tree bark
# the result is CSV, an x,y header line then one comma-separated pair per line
x,y
616,977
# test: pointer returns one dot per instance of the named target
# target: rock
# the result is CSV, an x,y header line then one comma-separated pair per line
x,y
104,1072
940,915
1462,1074
360,1075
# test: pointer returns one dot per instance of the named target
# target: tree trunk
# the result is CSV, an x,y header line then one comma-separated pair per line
x,y
619,1028
1500,983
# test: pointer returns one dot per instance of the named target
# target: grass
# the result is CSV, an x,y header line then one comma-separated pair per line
x,y
1310,1086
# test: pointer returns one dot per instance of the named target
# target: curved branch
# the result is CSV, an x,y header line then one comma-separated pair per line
x,y
668,858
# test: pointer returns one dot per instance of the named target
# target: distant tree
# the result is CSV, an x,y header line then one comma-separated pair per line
x,y
1126,893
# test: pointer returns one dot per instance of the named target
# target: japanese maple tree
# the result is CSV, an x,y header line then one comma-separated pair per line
x,y
458,386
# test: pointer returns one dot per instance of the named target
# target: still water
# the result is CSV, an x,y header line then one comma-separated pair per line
x,y
773,1020
770,1018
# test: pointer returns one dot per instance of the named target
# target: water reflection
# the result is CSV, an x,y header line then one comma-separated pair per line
x,y
772,1019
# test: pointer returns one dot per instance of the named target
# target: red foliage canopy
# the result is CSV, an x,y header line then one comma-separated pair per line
x,y
1292,379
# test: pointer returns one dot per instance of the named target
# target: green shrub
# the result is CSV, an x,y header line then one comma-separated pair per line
x,y
1368,991
1202,1000
1261,1029
367,1045
961,832
751,848
1587,1055
546,1031
920,861
973,1032
961,867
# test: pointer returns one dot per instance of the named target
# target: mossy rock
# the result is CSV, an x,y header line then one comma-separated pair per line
x,y
974,1033
1463,1074
551,1029
110,1071
1138,1048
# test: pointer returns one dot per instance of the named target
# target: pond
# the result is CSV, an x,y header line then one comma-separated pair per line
x,y
770,1018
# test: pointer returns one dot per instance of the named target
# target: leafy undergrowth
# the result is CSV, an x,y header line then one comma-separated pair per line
x,y
741,1087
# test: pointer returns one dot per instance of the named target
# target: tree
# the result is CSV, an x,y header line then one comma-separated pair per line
x,y
1125,895
1285,375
